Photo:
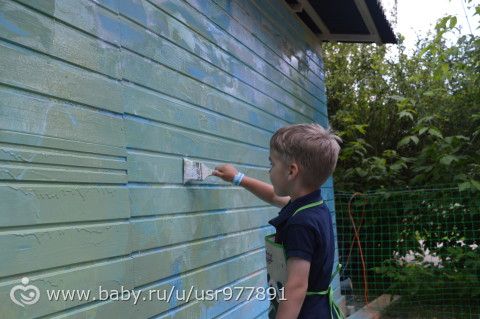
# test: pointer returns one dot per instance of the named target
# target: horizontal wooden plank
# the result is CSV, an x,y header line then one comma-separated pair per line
x,y
24,204
31,113
169,82
36,72
234,39
28,154
29,28
157,200
55,173
179,31
55,143
148,167
258,73
182,258
248,309
206,278
252,90
205,309
154,168
107,27
146,135
258,280
84,15
151,233
285,62
192,310
280,17
160,107
274,32
109,275
277,18
289,23
37,249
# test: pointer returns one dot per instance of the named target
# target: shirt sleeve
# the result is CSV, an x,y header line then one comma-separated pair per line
x,y
299,241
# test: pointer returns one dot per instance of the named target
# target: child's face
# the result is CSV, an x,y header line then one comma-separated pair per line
x,y
278,174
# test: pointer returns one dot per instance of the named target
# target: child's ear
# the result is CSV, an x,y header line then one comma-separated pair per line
x,y
293,170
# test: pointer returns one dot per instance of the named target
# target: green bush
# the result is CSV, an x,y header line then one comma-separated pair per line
x,y
407,119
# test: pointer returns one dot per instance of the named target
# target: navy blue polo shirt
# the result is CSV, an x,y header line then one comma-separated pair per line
x,y
309,235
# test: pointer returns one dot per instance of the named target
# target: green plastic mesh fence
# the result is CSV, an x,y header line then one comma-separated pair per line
x,y
417,248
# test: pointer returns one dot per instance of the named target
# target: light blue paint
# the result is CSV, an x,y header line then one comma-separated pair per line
x,y
196,72
139,119
134,8
107,26
12,26
176,268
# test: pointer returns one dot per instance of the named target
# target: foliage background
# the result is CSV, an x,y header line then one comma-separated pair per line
x,y
406,119
410,121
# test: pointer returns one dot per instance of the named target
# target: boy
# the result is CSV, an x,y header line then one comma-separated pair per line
x,y
302,157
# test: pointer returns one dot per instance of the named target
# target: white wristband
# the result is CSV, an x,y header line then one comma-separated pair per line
x,y
237,179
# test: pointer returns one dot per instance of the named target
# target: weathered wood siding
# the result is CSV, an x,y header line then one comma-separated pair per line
x,y
99,102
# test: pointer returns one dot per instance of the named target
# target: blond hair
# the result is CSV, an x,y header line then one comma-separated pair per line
x,y
312,147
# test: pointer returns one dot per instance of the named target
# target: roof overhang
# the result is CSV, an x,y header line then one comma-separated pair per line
x,y
345,20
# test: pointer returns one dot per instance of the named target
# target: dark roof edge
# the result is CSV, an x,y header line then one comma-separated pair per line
x,y
382,24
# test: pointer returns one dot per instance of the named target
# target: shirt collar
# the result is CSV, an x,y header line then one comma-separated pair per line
x,y
292,206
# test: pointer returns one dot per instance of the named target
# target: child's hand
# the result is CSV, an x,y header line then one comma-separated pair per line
x,y
225,172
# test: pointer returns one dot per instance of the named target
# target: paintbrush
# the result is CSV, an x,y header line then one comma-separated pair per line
x,y
195,171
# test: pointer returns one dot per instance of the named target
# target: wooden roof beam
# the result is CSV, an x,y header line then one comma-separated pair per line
x,y
314,16
367,18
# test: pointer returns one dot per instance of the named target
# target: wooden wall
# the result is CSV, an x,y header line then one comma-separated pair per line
x,y
99,102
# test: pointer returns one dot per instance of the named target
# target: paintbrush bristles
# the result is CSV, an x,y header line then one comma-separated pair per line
x,y
195,171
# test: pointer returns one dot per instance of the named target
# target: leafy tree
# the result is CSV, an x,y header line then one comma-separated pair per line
x,y
407,119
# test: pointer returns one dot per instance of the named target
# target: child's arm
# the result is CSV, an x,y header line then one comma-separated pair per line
x,y
295,288
260,189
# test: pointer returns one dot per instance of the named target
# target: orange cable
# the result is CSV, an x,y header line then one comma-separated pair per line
x,y
357,237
